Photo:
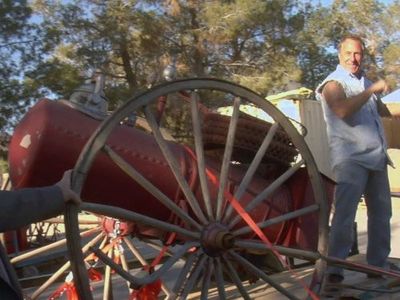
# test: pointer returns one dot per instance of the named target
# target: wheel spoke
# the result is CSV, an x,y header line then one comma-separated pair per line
x,y
106,259
194,276
235,278
104,241
51,280
198,139
207,279
63,268
291,252
219,278
256,271
137,282
124,264
120,213
223,178
169,263
135,251
156,246
183,274
268,191
133,173
252,168
107,293
174,166
52,246
81,278
279,219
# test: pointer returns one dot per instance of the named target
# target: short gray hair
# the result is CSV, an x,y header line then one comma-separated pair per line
x,y
353,37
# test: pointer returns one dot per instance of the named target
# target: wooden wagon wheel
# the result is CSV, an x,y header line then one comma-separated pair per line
x,y
213,239
46,273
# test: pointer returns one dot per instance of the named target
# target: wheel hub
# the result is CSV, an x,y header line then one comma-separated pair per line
x,y
215,239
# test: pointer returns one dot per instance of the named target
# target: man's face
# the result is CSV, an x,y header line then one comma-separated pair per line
x,y
350,56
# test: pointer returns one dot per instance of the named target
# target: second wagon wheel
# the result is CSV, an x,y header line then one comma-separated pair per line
x,y
241,196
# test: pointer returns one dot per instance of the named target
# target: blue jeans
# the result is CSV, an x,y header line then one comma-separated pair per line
x,y
353,181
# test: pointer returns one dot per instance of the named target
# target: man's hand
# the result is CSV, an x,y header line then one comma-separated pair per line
x,y
65,185
379,87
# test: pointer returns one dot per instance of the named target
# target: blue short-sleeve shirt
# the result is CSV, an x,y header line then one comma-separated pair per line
x,y
360,137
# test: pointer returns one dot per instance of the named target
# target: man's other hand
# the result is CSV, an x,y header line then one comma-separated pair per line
x,y
65,185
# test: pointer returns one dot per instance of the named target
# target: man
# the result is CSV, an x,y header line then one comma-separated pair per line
x,y
22,207
359,159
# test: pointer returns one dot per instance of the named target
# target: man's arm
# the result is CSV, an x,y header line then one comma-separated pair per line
x,y
22,207
344,107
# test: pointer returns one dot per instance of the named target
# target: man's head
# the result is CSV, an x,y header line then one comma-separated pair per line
x,y
351,52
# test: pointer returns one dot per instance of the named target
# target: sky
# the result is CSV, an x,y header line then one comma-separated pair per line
x,y
392,97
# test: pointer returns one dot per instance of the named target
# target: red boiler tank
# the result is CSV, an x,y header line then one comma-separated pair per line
x,y
51,136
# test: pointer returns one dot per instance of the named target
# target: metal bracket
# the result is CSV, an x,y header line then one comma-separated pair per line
x,y
89,98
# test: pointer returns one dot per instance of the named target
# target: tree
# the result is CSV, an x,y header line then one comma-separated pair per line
x,y
121,38
265,45
252,42
13,44
376,23
391,51
315,55
17,40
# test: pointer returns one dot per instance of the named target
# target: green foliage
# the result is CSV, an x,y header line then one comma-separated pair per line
x,y
54,76
3,166
13,15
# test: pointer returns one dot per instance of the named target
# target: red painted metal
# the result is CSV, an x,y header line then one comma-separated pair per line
x,y
51,136
303,231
